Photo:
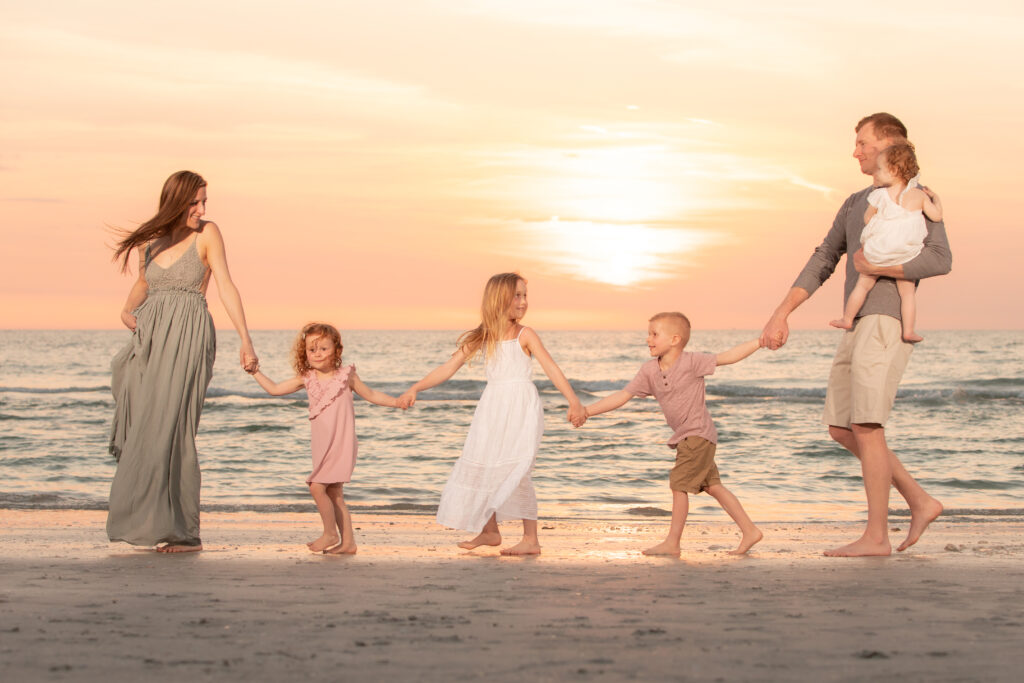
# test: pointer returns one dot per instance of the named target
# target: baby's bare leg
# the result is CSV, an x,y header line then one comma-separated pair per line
x,y
488,536
680,508
344,521
731,504
530,545
856,300
908,310
326,509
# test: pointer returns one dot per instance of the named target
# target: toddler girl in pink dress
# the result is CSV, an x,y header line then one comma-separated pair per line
x,y
316,358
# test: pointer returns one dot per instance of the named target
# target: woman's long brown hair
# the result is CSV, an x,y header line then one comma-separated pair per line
x,y
178,194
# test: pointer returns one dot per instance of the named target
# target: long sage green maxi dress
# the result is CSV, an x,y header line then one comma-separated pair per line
x,y
159,383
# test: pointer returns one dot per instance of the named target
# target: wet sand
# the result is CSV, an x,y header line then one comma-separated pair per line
x,y
257,606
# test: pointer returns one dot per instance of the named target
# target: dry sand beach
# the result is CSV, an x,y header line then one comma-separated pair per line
x,y
255,605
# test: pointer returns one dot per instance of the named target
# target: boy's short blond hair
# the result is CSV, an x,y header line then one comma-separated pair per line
x,y
679,323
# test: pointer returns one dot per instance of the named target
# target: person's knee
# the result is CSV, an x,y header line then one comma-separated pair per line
x,y
841,435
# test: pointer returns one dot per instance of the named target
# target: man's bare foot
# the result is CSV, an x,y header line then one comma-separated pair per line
x,y
912,337
841,324
524,547
663,548
483,538
919,521
747,542
342,549
178,548
862,547
323,543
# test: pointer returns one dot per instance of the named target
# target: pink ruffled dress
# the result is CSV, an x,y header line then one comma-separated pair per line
x,y
332,419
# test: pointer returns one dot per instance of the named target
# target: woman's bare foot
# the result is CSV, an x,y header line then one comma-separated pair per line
x,y
862,547
178,548
841,324
912,337
524,547
342,549
664,548
919,521
323,543
483,538
747,542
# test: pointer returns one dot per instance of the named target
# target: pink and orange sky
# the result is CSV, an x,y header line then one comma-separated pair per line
x,y
372,163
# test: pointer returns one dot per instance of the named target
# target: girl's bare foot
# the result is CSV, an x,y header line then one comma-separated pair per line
x,y
862,547
483,538
342,549
524,547
747,542
178,548
919,521
841,324
663,548
323,543
912,337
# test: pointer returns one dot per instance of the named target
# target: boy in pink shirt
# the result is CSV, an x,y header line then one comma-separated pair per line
x,y
676,379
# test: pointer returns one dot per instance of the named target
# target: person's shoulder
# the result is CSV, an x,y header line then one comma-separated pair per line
x,y
861,195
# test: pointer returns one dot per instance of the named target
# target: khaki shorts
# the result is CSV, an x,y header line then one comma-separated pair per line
x,y
866,372
695,468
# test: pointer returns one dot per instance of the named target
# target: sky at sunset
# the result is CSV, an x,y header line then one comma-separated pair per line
x,y
373,163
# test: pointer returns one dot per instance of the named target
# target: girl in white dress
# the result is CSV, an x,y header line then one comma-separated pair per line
x,y
491,479
894,232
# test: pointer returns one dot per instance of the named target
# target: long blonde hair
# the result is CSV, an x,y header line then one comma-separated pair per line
x,y
498,296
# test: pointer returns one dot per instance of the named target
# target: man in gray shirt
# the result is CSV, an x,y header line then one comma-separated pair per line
x,y
872,356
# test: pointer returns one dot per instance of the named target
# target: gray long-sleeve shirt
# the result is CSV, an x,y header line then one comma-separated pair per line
x,y
844,238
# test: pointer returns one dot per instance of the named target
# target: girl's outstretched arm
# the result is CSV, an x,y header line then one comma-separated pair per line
x,y
289,386
441,373
530,340
371,395
737,353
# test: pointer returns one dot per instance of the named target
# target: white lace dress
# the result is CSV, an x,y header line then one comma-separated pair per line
x,y
894,235
493,473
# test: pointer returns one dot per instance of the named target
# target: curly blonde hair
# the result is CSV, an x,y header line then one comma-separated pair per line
x,y
499,292
314,330
901,160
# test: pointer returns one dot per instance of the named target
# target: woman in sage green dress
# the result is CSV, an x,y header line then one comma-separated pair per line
x,y
159,379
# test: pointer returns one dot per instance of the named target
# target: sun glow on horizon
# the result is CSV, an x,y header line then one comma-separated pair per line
x,y
613,253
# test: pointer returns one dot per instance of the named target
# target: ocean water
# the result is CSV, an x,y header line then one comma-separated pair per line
x,y
958,426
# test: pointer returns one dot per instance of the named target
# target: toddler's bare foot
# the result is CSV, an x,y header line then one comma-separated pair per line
x,y
483,538
342,549
663,548
747,542
178,548
524,547
912,337
862,547
920,518
323,543
841,324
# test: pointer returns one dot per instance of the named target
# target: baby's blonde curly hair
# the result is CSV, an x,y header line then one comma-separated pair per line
x,y
314,330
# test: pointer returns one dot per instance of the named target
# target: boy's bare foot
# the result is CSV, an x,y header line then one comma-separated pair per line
x,y
483,538
178,548
919,521
747,542
524,547
323,543
841,324
342,549
912,337
862,547
663,548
